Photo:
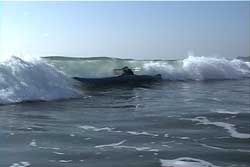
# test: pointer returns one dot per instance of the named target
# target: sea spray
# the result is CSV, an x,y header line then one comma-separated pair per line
x,y
203,68
199,68
33,80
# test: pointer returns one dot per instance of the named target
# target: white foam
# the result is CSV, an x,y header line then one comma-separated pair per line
x,y
65,161
137,148
58,153
213,147
49,148
33,143
142,133
199,68
119,146
166,135
216,99
87,127
222,111
111,145
183,138
224,149
164,145
243,150
21,164
33,80
186,162
108,129
229,127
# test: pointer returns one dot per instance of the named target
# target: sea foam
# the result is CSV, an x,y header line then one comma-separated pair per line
x,y
21,164
186,162
199,68
31,81
229,127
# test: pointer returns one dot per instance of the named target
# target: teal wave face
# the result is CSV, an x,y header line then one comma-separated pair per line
x,y
191,68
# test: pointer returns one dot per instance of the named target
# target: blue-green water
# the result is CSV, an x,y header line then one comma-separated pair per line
x,y
133,127
173,123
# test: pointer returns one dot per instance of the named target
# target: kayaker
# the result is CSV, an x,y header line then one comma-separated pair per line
x,y
127,71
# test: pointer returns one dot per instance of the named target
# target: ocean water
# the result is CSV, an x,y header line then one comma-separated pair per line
x,y
198,116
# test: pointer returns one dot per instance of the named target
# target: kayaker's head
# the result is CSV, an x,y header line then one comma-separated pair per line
x,y
125,68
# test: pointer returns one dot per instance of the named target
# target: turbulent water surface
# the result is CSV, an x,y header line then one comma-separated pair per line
x,y
198,116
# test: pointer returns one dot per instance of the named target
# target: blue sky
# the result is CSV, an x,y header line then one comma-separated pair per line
x,y
142,30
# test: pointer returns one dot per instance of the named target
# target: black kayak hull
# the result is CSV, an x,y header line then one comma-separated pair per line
x,y
120,80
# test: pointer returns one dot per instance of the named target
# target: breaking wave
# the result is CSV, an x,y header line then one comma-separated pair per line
x,y
201,68
50,78
31,81
191,68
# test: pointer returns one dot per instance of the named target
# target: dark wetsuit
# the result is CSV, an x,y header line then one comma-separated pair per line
x,y
128,72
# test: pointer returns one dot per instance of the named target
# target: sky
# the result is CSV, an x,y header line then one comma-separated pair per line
x,y
140,30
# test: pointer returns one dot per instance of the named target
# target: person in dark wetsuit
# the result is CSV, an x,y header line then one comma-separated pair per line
x,y
127,71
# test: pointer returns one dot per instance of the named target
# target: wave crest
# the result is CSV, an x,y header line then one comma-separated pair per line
x,y
32,80
191,68
199,68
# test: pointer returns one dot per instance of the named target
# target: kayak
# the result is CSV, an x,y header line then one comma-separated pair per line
x,y
118,80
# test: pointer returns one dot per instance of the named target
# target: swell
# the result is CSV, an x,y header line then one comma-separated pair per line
x,y
191,68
